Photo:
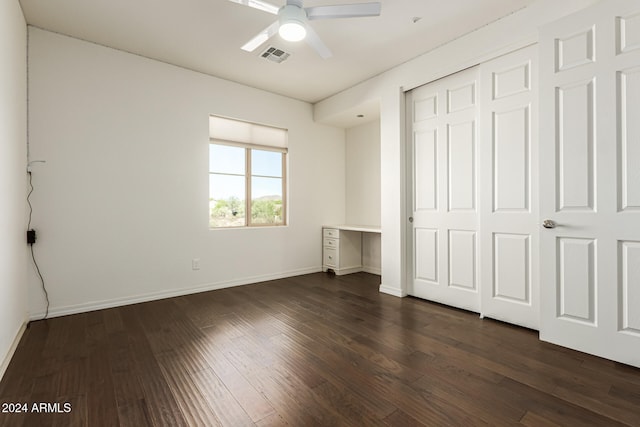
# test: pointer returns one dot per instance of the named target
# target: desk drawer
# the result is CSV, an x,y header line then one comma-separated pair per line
x,y
330,243
330,257
331,233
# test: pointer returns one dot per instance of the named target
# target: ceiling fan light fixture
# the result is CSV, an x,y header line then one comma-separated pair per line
x,y
292,23
292,31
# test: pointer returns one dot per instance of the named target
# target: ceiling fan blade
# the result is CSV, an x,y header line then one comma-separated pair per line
x,y
315,42
260,5
261,37
344,11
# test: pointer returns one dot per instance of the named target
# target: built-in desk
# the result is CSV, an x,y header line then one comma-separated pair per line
x,y
342,248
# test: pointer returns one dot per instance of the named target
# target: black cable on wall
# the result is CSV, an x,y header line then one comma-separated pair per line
x,y
31,238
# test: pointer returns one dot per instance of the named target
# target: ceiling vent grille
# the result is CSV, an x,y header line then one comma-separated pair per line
x,y
274,54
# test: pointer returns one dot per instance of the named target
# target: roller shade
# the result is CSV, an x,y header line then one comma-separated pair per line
x,y
232,132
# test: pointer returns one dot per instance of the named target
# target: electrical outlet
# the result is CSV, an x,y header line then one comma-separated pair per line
x,y
195,264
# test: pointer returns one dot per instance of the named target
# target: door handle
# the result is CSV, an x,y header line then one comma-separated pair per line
x,y
410,219
548,223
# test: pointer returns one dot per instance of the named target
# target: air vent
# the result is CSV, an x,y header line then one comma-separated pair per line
x,y
274,54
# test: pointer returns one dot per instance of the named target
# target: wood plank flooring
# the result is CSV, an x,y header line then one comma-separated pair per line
x,y
313,350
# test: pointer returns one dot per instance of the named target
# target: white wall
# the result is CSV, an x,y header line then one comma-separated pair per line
x,y
363,188
121,206
13,184
363,174
512,32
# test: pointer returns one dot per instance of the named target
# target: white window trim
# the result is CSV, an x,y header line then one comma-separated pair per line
x,y
248,175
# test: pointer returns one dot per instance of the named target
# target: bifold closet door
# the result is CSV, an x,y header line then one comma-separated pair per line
x,y
473,182
508,159
442,138
590,181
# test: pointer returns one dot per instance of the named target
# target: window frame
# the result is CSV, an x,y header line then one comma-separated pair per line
x,y
248,175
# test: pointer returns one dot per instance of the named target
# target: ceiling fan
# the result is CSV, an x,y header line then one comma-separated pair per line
x,y
293,25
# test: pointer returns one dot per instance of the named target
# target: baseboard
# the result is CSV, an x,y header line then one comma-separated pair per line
x,y
347,270
14,345
392,291
372,270
118,302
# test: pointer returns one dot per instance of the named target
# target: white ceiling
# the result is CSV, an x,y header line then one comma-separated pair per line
x,y
206,35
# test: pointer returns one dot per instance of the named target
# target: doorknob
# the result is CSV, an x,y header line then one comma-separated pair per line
x,y
548,223
410,219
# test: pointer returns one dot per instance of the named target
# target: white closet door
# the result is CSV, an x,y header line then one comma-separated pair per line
x,y
443,151
590,181
509,191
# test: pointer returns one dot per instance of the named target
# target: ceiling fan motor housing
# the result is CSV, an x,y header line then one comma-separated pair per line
x,y
294,3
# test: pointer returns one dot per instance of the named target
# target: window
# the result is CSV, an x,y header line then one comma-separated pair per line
x,y
247,174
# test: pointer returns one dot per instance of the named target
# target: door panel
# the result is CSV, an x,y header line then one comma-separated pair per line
x,y
577,281
629,131
426,178
508,160
462,259
511,169
462,166
575,50
426,243
590,141
461,98
444,185
512,267
511,81
628,32
576,146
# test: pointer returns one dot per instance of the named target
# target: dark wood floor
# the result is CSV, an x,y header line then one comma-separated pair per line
x,y
304,351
